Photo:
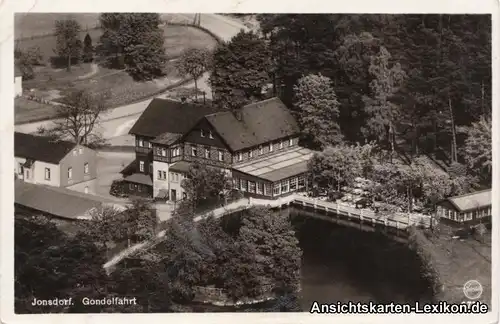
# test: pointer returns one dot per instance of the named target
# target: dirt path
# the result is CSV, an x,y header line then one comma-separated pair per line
x,y
94,69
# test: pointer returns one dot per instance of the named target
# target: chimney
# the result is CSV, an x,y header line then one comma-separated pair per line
x,y
237,114
183,99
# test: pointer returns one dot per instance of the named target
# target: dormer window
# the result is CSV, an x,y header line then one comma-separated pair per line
x,y
202,133
210,135
163,151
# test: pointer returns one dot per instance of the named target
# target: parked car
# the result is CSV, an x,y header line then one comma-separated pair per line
x,y
364,203
335,195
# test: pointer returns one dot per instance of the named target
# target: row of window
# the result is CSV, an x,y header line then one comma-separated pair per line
x,y
80,151
279,188
162,151
207,153
143,143
204,133
460,217
70,171
174,177
261,149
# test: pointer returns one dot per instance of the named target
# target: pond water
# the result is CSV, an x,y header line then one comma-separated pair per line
x,y
345,264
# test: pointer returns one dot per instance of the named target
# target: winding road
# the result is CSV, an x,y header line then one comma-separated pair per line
x,y
117,122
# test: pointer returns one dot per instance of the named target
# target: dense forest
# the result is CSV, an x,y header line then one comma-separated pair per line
x,y
418,83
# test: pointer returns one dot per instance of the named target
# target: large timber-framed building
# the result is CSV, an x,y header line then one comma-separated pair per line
x,y
258,146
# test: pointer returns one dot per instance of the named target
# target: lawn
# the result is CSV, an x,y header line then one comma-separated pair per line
x,y
54,83
26,111
177,39
459,261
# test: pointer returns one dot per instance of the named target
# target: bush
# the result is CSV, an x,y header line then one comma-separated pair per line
x,y
118,189
479,232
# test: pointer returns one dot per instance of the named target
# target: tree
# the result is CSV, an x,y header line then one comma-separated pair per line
x,y
79,115
478,148
205,184
318,110
88,49
240,70
340,165
135,42
49,264
139,220
194,62
382,113
68,44
104,226
272,239
27,60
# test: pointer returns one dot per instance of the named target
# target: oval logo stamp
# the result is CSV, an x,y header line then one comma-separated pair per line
x,y
473,289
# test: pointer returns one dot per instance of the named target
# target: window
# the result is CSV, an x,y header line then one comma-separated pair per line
x,y
131,186
141,166
235,183
276,189
285,186
27,174
281,145
86,168
210,135
261,150
159,175
251,186
20,169
250,154
240,156
270,147
202,134
302,181
194,151
139,188
70,173
74,152
47,174
293,184
207,153
146,144
290,142
221,156
243,185
163,151
86,190
164,175
80,150
260,188
176,151
141,143
150,168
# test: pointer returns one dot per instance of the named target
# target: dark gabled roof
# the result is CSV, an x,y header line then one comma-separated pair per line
x,y
166,138
471,201
57,202
139,178
41,148
260,122
169,116
181,166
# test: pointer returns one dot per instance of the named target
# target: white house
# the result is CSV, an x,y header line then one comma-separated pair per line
x,y
18,81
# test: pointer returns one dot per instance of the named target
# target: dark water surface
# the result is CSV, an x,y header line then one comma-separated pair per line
x,y
346,264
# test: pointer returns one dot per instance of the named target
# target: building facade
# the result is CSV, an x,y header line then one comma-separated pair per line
x,y
39,160
257,146
470,208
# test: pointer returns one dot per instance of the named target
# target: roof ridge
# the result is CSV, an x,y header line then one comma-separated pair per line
x,y
470,193
253,104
